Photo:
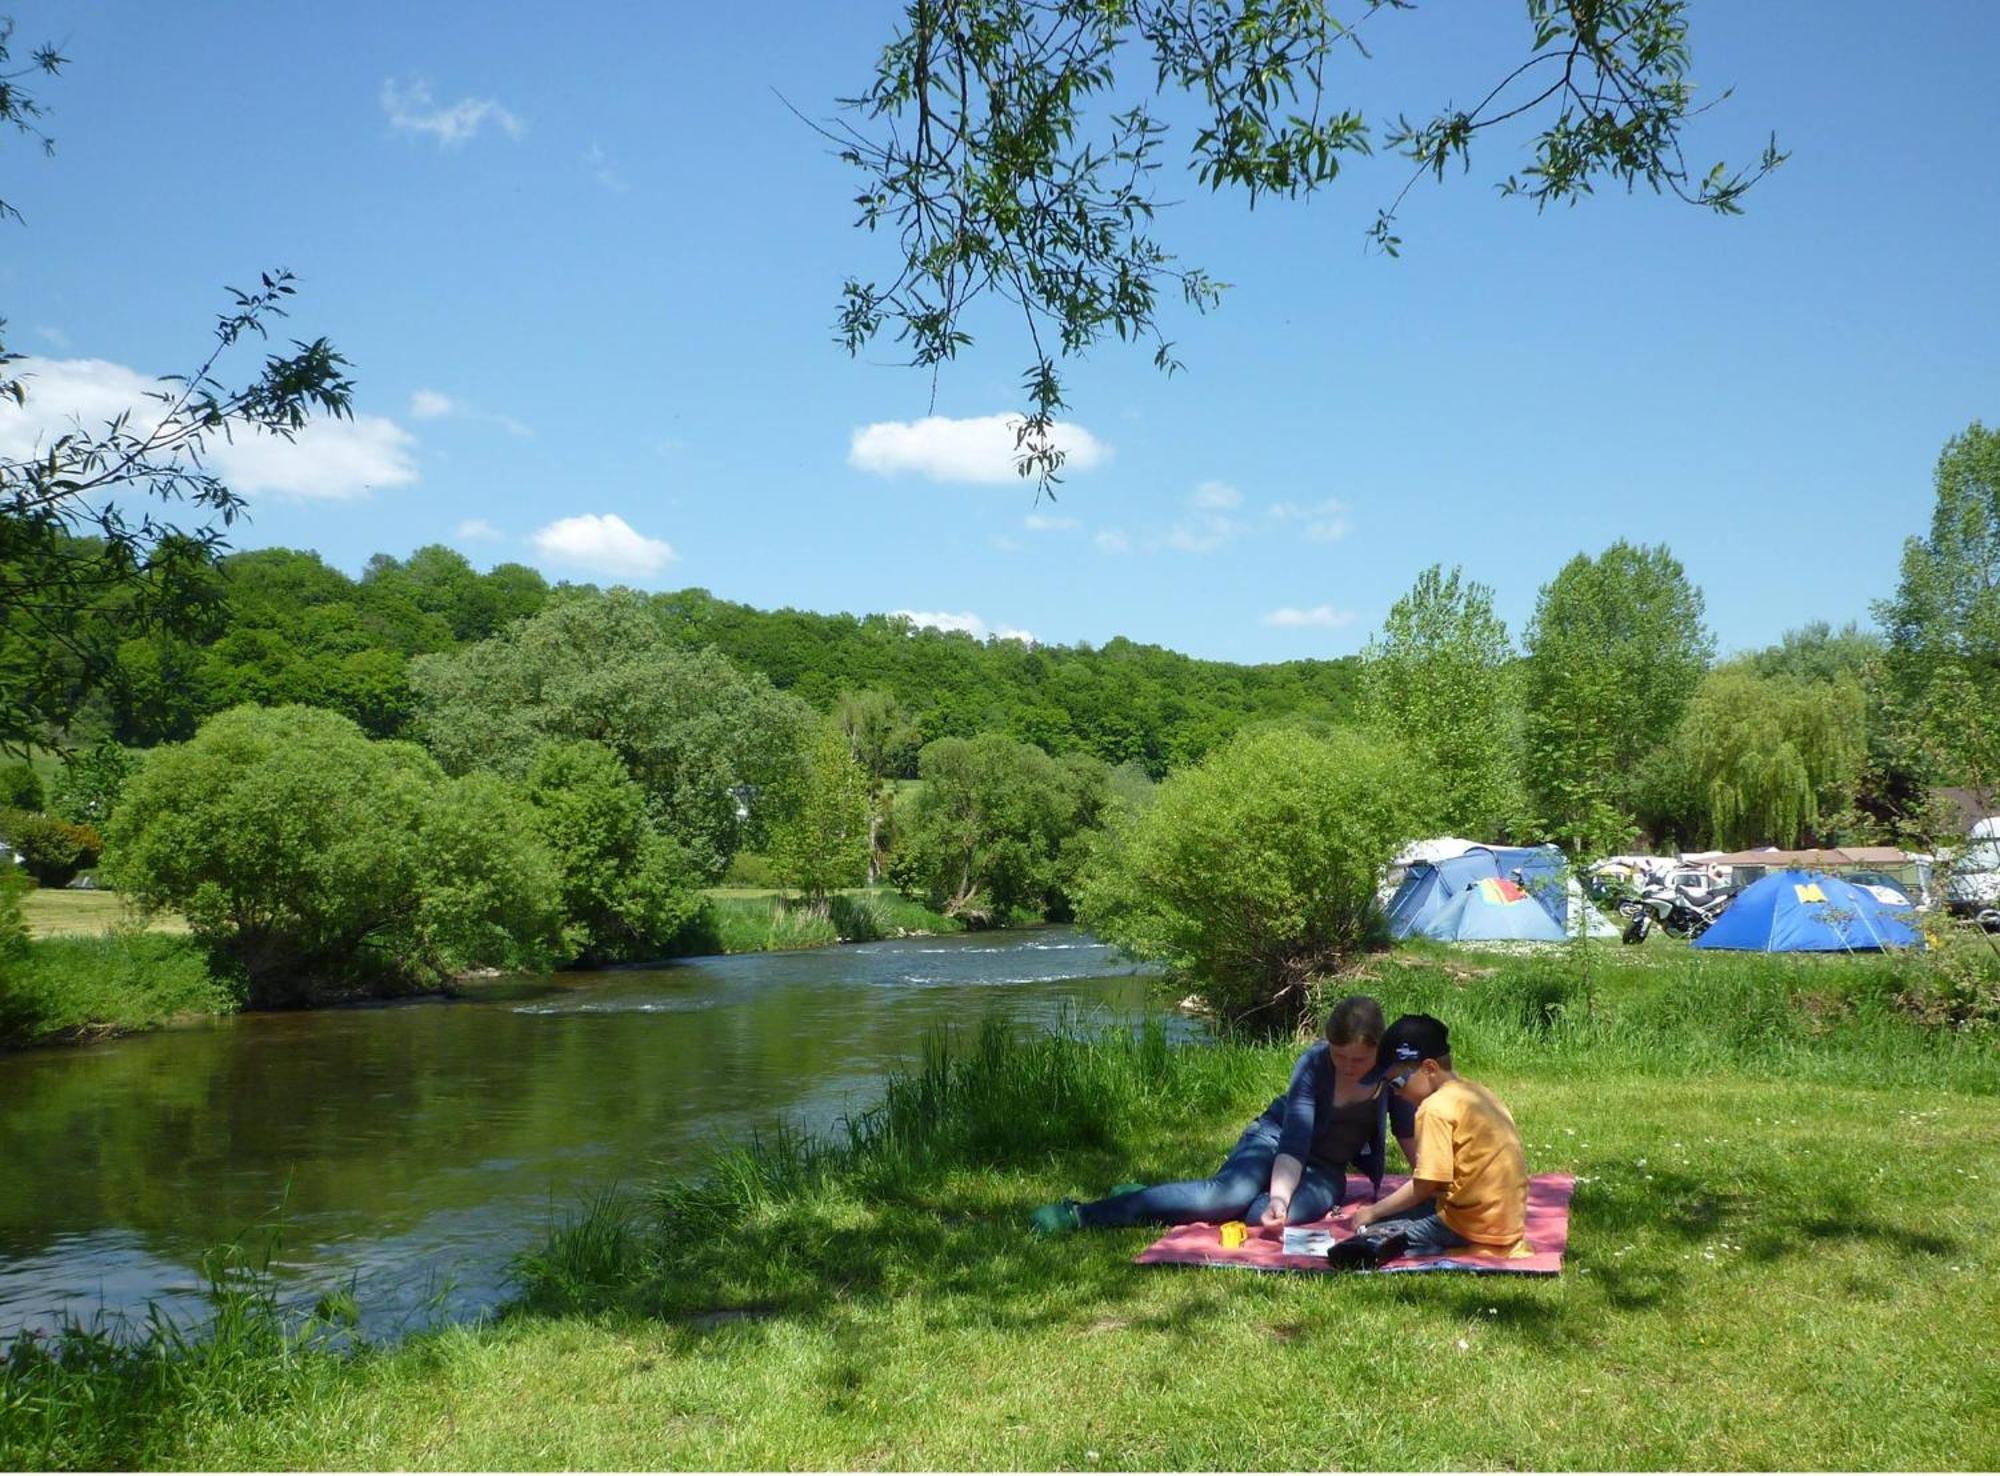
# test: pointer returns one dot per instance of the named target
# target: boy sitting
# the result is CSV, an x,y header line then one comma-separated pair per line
x,y
1469,1184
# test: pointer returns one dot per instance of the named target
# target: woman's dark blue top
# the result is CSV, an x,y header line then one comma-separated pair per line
x,y
1313,1130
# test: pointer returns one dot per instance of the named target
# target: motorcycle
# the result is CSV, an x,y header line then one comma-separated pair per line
x,y
1680,912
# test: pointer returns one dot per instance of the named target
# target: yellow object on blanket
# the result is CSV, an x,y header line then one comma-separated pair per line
x,y
1234,1234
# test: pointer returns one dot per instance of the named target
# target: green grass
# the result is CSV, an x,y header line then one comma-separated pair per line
x,y
1782,1256
86,987
56,912
758,920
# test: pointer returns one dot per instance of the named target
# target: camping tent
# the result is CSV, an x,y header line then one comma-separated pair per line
x,y
1430,887
1809,912
1494,909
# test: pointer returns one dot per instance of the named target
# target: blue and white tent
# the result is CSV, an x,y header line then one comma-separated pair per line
x,y
1493,910
1810,912
1430,888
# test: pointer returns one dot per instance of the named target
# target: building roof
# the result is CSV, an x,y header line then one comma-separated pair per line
x,y
1847,856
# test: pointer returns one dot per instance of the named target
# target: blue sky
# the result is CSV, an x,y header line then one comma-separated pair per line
x,y
586,264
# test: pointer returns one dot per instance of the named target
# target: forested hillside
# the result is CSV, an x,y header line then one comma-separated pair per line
x,y
293,629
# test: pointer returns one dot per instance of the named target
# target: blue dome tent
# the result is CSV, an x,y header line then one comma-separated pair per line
x,y
1431,887
1494,910
1810,912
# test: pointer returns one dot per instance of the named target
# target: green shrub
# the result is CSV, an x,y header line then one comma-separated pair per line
x,y
986,834
626,889
21,788
1256,871
753,869
53,850
87,787
317,862
59,988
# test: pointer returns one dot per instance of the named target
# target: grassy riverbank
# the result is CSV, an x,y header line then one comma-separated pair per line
x,y
764,920
94,967
1782,1256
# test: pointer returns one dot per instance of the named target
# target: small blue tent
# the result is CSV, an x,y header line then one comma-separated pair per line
x,y
1493,910
1430,887
1810,912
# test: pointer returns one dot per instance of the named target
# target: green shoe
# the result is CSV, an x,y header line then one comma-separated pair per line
x,y
1054,1219
1118,1189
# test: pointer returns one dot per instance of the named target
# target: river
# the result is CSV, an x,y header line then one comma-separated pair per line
x,y
409,1151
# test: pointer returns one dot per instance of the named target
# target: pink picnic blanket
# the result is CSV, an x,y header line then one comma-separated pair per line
x,y
1263,1250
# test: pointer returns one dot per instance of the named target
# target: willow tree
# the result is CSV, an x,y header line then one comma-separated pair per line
x,y
1014,150
1770,760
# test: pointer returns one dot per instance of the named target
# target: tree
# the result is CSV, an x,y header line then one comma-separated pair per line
x,y
701,739
88,785
883,741
313,861
824,837
1944,623
626,890
985,833
1766,760
1616,648
1438,680
71,539
1256,870
1007,148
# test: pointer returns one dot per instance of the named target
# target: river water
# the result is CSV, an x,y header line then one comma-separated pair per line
x,y
409,1151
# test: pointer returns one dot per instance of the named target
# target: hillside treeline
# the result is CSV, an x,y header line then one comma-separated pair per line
x,y
288,628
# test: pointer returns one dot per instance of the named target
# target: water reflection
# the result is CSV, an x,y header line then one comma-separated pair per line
x,y
411,1150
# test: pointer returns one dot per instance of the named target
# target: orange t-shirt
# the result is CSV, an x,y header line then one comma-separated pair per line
x,y
1466,1140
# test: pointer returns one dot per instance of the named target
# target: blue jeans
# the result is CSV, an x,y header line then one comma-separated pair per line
x,y
1428,1234
1239,1190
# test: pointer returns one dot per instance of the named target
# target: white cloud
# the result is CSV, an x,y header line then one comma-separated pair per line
x,y
603,543
410,108
54,337
968,622
1322,616
978,449
599,165
477,530
1324,522
1003,544
1046,523
1112,540
1216,495
430,404
1203,534
329,459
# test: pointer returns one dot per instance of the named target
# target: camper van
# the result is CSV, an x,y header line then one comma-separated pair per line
x,y
1972,886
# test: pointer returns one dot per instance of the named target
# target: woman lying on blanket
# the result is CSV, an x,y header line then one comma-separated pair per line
x,y
1290,1166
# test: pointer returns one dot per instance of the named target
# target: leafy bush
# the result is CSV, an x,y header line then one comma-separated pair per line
x,y
314,861
20,788
58,988
626,890
1257,870
752,869
986,834
1956,985
53,850
87,787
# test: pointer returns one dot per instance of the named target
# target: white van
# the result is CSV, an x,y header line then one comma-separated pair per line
x,y
1972,886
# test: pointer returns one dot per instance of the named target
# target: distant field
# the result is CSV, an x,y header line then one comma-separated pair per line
x,y
58,913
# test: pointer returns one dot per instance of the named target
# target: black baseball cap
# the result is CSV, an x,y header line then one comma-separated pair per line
x,y
1411,1039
